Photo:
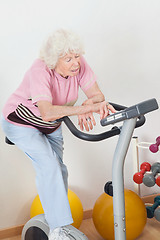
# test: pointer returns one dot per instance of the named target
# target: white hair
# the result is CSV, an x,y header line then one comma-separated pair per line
x,y
58,44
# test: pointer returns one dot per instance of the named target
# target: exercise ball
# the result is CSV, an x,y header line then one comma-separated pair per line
x,y
135,212
75,205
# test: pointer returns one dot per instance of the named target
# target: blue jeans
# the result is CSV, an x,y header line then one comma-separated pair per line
x,y
46,153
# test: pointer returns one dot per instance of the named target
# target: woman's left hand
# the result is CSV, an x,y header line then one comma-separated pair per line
x,y
87,121
105,109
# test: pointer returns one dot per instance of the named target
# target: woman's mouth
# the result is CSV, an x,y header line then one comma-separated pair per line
x,y
75,70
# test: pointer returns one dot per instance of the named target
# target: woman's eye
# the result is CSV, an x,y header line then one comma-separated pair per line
x,y
68,59
77,56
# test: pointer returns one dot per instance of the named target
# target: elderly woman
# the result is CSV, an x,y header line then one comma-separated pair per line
x,y
48,92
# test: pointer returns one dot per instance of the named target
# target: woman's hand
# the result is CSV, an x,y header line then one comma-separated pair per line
x,y
86,121
105,108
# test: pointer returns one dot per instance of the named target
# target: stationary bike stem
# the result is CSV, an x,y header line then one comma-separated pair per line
x,y
118,178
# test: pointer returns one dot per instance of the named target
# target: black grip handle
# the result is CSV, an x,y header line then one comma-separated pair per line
x,y
89,137
141,121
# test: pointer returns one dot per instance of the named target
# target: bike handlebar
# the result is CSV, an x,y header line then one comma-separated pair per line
x,y
115,130
90,137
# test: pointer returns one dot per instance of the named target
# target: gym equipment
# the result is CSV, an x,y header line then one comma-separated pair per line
x,y
155,147
157,214
38,229
138,177
135,212
75,205
132,117
8,141
108,188
149,179
158,181
151,209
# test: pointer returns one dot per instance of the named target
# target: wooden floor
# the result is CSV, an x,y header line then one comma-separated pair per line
x,y
151,231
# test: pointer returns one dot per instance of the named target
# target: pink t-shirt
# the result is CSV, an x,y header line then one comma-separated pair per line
x,y
41,83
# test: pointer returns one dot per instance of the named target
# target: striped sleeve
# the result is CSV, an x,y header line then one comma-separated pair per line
x,y
23,115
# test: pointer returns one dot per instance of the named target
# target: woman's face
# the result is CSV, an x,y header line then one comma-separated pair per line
x,y
69,65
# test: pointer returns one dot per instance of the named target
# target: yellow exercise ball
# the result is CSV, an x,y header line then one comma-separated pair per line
x,y
75,205
135,212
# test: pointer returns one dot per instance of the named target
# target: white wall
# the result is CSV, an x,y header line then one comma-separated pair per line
x,y
122,46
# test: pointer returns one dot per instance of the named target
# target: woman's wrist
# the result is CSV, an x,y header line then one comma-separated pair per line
x,y
95,99
88,102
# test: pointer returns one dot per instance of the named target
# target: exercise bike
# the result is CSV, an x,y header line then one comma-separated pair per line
x,y
132,117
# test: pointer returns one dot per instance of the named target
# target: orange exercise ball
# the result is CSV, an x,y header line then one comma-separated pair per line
x,y
135,211
75,205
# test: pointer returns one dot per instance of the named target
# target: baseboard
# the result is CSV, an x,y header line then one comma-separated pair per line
x,y
87,214
150,198
11,232
15,231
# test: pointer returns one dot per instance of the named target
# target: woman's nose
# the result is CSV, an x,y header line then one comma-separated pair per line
x,y
76,62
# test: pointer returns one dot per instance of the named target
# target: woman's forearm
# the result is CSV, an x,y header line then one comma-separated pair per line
x,y
94,99
56,112
98,98
51,112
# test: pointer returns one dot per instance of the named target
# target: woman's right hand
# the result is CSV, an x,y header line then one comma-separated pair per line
x,y
86,121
